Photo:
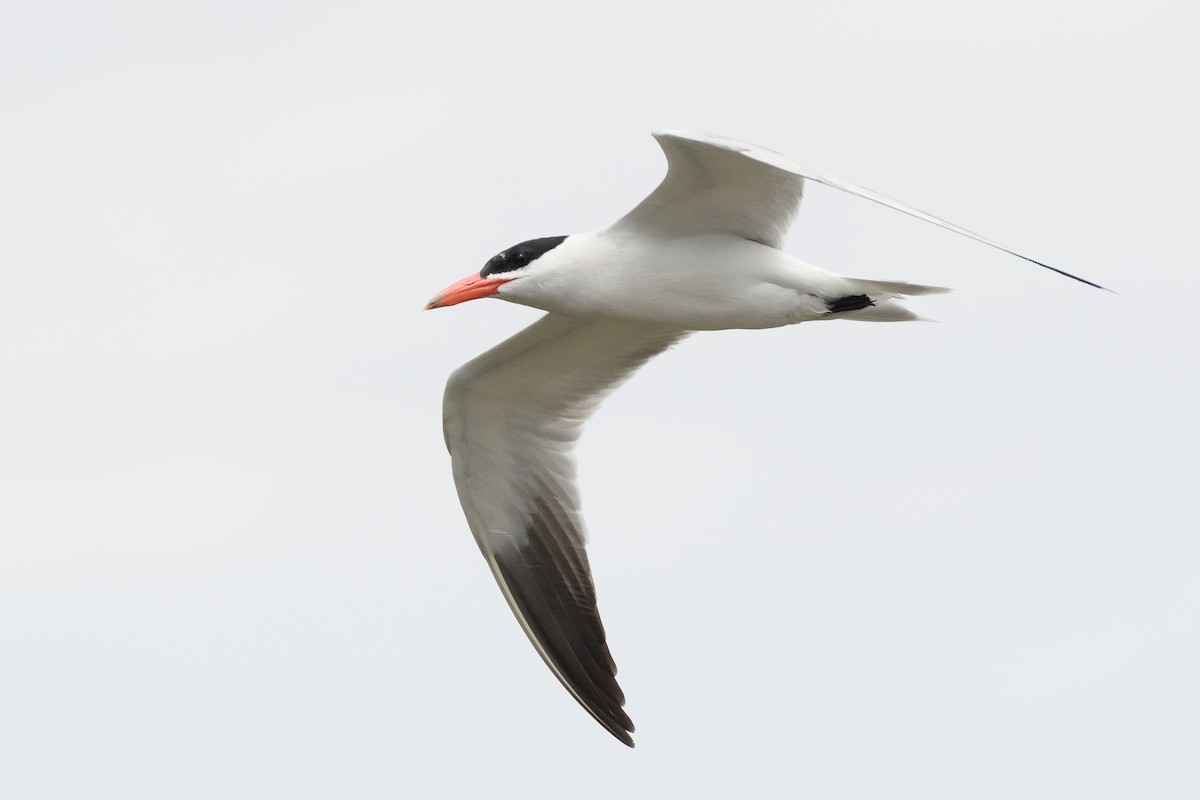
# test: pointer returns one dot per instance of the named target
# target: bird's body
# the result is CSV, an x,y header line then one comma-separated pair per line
x,y
715,281
702,252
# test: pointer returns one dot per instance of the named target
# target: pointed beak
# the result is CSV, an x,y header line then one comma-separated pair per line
x,y
471,287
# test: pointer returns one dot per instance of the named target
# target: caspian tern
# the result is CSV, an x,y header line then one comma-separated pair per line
x,y
701,252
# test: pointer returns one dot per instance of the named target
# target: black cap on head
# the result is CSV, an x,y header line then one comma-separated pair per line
x,y
520,255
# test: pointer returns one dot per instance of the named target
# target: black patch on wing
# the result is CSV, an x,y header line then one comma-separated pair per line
x,y
549,579
852,302
520,255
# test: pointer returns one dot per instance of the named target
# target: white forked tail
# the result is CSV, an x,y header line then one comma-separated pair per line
x,y
884,295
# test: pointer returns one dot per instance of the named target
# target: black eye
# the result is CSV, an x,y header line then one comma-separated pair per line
x,y
520,259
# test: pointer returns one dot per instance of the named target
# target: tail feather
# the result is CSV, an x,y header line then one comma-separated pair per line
x,y
874,288
882,311
883,306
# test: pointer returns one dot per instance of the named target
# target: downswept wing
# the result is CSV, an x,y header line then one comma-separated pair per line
x,y
511,419
715,184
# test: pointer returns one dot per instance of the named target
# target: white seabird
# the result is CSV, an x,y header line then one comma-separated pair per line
x,y
702,252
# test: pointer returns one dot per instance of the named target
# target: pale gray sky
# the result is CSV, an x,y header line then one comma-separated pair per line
x,y
842,561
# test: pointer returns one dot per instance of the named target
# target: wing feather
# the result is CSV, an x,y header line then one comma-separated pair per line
x,y
715,184
718,185
511,419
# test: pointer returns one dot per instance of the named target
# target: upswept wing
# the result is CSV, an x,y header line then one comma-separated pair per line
x,y
720,185
715,184
511,419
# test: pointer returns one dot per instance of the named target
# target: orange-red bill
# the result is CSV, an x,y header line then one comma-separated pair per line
x,y
471,287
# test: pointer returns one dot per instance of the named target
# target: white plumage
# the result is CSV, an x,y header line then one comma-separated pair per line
x,y
700,253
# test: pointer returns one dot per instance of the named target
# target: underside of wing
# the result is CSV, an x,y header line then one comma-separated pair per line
x,y
511,419
717,184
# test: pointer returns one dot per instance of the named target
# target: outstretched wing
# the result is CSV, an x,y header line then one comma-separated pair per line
x,y
715,184
511,419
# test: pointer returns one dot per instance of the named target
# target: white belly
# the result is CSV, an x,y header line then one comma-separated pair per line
x,y
710,282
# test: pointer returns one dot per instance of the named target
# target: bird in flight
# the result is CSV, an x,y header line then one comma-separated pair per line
x,y
701,252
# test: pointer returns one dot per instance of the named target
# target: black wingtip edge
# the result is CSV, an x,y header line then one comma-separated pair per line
x,y
1066,274
620,732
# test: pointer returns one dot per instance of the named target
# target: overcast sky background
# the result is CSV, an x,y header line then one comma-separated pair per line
x,y
835,560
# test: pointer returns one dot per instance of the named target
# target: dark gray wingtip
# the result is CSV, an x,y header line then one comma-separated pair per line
x,y
549,580
1062,272
623,737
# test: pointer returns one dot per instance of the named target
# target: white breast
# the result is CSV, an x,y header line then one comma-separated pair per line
x,y
707,282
